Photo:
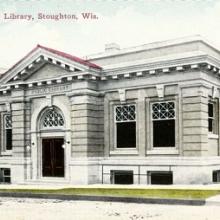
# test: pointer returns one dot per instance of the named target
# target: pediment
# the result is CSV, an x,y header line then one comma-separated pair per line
x,y
46,63
47,71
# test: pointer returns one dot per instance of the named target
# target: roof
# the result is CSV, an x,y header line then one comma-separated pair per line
x,y
153,45
70,57
59,53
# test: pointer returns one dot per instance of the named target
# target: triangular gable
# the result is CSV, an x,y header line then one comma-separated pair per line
x,y
41,55
47,71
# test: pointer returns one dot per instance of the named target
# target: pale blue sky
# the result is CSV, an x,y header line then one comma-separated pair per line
x,y
126,22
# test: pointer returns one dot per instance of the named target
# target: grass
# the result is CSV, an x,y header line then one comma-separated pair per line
x,y
138,193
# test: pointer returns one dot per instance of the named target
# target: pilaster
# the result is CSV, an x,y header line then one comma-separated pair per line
x,y
20,112
87,122
195,120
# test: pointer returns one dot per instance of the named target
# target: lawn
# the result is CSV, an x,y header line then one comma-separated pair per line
x,y
138,193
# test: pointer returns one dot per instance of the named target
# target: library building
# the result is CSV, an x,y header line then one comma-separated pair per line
x,y
147,114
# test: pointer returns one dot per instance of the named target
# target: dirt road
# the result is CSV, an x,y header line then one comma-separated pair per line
x,y
41,209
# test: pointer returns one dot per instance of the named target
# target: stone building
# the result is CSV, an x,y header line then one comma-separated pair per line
x,y
143,115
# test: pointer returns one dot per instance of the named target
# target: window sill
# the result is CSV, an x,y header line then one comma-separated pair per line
x,y
126,151
212,136
163,151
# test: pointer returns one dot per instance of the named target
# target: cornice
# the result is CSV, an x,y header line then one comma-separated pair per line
x,y
203,63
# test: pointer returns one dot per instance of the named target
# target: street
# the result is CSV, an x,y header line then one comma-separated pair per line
x,y
41,209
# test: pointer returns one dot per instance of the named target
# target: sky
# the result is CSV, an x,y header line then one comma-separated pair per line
x,y
125,22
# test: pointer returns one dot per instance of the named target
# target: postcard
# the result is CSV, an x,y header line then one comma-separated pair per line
x,y
109,109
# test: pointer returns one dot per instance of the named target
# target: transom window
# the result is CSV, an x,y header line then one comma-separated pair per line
x,y
8,122
163,110
125,113
163,117
8,131
52,118
125,126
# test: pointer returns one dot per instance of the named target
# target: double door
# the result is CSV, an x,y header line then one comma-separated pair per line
x,y
53,157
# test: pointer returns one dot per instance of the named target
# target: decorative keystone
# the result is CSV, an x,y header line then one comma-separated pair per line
x,y
160,90
122,95
8,106
214,92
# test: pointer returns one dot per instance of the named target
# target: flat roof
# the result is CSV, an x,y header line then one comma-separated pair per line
x,y
153,45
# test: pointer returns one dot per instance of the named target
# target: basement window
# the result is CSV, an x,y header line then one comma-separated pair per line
x,y
7,132
5,175
216,176
121,177
125,126
163,117
160,177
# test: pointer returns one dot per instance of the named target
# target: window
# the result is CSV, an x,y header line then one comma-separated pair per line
x,y
5,175
125,120
163,117
216,176
121,177
8,132
52,118
160,177
212,112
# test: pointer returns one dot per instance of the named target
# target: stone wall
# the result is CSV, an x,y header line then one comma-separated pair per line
x,y
87,122
195,121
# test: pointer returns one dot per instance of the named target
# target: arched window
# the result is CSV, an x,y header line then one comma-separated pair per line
x,y
52,118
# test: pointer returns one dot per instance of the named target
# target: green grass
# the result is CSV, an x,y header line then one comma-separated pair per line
x,y
138,193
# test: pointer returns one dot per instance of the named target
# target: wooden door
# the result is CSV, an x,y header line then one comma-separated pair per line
x,y
53,157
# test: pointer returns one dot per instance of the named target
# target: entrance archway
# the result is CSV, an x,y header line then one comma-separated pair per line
x,y
52,124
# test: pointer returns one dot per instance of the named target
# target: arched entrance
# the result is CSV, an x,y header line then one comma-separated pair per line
x,y
51,128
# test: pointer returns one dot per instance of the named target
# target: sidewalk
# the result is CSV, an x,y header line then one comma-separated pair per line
x,y
60,186
215,200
